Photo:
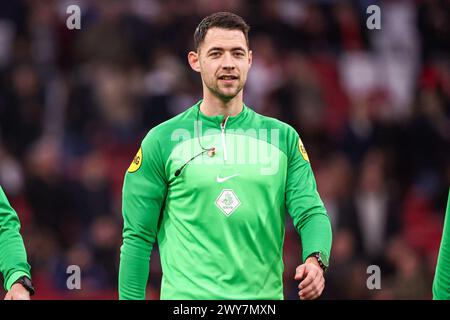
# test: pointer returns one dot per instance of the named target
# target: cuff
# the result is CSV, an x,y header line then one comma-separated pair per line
x,y
13,278
325,257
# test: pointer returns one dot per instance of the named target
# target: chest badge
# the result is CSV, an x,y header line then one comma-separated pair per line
x,y
227,201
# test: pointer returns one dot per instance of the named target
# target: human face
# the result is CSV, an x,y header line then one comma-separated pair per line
x,y
223,60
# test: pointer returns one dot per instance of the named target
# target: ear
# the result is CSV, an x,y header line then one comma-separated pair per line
x,y
194,61
250,58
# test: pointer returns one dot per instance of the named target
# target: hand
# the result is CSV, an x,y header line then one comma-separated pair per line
x,y
313,281
17,292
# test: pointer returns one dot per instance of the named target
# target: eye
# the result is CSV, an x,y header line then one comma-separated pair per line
x,y
239,54
214,54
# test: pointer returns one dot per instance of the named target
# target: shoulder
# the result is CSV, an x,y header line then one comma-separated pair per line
x,y
288,138
286,131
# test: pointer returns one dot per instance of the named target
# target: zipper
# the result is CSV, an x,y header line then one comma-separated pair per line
x,y
224,145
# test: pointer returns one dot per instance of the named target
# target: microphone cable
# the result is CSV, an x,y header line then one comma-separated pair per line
x,y
211,151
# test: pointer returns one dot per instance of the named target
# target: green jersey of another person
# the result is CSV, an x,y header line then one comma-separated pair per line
x,y
13,257
441,283
212,184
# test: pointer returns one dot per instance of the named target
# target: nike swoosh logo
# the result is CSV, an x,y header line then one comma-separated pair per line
x,y
220,180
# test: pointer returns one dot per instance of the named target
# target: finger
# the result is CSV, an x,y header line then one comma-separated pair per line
x,y
311,289
316,283
22,296
299,272
8,296
314,291
312,274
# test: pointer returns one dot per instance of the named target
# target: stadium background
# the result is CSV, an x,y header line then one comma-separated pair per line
x,y
372,107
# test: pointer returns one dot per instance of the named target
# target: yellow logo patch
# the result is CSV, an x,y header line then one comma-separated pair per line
x,y
137,161
302,150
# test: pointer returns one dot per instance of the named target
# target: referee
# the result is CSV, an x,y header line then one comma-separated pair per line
x,y
13,257
441,283
212,186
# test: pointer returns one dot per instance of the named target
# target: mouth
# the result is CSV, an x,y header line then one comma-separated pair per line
x,y
228,78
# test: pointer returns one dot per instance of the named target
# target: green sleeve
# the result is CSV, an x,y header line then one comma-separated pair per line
x,y
303,201
441,283
13,257
143,195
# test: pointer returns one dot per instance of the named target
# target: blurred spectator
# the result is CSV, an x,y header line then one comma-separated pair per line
x,y
375,213
409,280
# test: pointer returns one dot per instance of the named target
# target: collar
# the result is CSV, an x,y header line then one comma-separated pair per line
x,y
217,120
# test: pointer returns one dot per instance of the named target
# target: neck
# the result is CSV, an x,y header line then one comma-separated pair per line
x,y
214,106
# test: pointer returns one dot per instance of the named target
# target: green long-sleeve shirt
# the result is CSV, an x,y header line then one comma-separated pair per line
x,y
220,223
441,283
13,257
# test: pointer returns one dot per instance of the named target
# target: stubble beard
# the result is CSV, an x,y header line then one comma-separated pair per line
x,y
218,92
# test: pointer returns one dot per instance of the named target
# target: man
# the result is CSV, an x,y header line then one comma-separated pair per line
x,y
212,185
441,283
13,257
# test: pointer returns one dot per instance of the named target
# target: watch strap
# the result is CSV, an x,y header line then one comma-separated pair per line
x,y
26,283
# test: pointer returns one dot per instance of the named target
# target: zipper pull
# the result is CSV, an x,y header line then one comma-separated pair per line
x,y
224,145
223,123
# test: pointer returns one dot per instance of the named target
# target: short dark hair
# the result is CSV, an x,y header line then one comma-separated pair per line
x,y
224,20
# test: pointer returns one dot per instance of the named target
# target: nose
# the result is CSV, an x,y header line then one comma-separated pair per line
x,y
228,62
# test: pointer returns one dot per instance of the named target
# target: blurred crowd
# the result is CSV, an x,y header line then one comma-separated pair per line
x,y
371,106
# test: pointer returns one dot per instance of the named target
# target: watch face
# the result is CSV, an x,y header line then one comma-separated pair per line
x,y
26,282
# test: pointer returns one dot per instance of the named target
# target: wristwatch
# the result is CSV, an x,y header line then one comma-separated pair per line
x,y
26,283
323,262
